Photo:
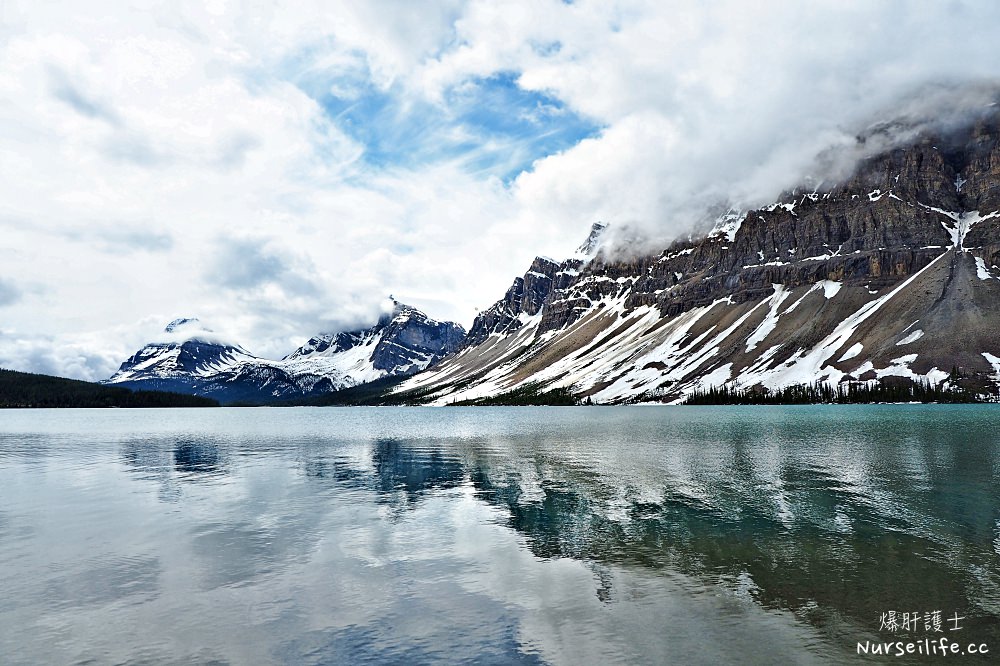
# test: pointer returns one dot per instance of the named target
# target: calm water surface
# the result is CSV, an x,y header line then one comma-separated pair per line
x,y
490,535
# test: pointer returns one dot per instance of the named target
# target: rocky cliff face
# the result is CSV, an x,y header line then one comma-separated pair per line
x,y
411,341
401,343
533,292
522,301
888,273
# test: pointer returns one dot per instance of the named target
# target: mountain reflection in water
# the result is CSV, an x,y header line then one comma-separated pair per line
x,y
740,535
837,538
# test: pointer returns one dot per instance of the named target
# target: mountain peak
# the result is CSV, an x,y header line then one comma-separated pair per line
x,y
400,312
180,322
404,340
589,247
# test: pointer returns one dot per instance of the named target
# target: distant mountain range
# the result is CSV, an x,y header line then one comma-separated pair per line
x,y
888,276
402,342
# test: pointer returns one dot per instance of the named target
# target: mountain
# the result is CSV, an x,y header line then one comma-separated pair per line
x,y
402,343
889,275
193,360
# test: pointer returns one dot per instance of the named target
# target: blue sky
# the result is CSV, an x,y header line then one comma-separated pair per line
x,y
486,125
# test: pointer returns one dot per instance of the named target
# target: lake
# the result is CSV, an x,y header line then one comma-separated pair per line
x,y
576,535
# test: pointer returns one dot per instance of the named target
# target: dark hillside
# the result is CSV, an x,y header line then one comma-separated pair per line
x,y
22,389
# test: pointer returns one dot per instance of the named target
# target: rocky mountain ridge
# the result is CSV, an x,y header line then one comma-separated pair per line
x,y
890,273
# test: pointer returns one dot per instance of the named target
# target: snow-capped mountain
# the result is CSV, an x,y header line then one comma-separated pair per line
x,y
192,360
891,273
402,343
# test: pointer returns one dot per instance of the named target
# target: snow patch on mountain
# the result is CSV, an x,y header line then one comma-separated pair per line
x,y
854,351
728,224
962,222
770,319
912,337
982,272
995,362
806,367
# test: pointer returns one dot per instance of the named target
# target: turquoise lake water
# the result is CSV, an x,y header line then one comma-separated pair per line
x,y
689,535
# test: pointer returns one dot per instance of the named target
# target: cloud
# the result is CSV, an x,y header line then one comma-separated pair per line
x,y
703,104
280,170
122,238
184,329
51,356
66,91
9,293
248,263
